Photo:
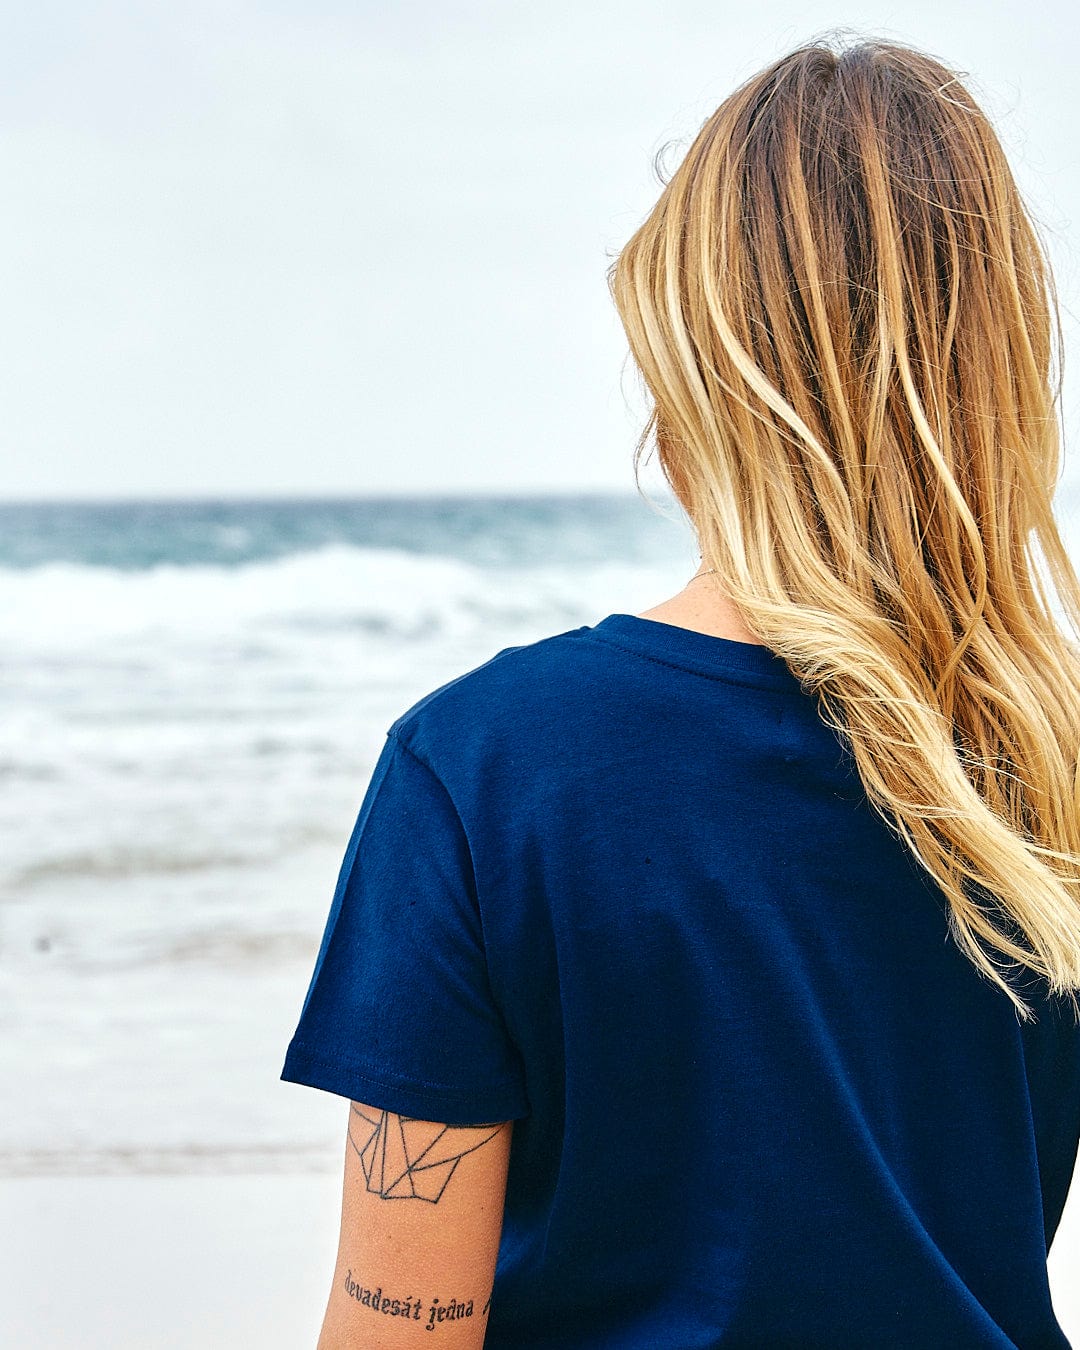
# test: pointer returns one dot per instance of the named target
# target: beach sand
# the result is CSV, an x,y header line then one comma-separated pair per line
x,y
166,1262
193,1262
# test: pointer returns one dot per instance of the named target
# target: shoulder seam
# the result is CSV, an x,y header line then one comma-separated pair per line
x,y
399,740
395,735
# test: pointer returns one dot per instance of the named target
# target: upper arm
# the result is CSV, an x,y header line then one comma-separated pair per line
x,y
421,1216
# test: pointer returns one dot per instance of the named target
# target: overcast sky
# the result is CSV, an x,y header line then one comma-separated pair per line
x,y
312,247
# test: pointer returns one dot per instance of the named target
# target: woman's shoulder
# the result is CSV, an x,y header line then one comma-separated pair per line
x,y
521,691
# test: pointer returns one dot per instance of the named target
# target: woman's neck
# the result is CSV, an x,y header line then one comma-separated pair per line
x,y
703,606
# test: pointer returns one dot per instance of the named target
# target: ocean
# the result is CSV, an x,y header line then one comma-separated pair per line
x,y
193,696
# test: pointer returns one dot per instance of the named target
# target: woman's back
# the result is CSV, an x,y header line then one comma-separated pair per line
x,y
760,1099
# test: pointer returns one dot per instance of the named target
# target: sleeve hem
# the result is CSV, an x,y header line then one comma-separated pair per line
x,y
449,1106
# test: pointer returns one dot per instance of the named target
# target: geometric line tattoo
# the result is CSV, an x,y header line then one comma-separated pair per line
x,y
405,1158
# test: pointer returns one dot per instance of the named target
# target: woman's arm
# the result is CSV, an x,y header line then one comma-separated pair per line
x,y
421,1216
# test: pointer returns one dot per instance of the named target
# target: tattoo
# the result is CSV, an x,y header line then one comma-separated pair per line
x,y
405,1158
411,1307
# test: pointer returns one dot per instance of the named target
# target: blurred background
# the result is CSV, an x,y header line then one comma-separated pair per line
x,y
313,398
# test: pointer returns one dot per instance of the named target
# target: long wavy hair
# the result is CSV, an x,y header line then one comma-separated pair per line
x,y
842,314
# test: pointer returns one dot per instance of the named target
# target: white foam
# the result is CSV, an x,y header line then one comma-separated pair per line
x,y
64,607
186,716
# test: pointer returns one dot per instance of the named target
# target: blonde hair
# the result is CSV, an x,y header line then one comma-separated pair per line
x,y
841,312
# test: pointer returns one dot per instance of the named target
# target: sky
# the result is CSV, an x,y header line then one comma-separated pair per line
x,y
311,247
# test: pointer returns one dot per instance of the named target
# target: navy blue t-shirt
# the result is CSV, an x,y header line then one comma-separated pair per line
x,y
623,886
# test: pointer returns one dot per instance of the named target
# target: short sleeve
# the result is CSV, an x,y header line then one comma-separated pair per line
x,y
399,1011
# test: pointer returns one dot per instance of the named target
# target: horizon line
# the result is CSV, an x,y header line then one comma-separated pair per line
x,y
317,497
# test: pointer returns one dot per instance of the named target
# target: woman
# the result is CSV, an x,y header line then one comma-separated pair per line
x,y
707,976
